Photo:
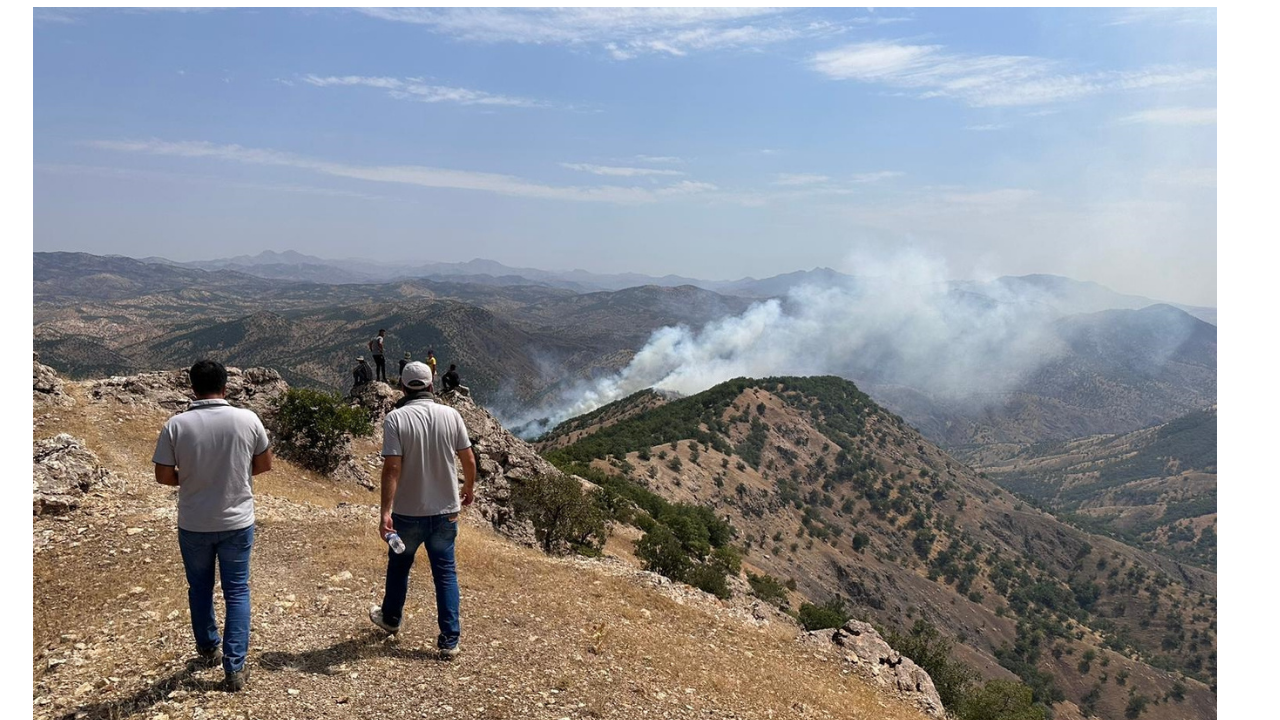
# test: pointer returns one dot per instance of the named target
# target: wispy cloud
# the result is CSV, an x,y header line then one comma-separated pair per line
x,y
1172,116
872,177
1185,177
1167,15
799,179
418,90
659,159
988,80
117,173
618,171
416,175
990,198
625,33
986,128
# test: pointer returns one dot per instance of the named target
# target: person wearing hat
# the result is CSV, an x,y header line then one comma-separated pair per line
x,y
422,443
362,373
404,361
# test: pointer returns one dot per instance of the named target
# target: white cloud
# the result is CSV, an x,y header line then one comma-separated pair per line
x,y
798,179
1172,116
990,198
1206,16
659,159
416,175
1185,177
986,128
625,33
872,177
618,171
417,90
987,80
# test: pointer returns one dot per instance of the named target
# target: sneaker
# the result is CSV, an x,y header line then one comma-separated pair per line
x,y
449,653
237,680
375,614
209,657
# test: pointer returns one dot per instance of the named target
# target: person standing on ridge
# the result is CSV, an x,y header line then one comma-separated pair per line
x,y
431,363
403,361
422,442
210,453
376,346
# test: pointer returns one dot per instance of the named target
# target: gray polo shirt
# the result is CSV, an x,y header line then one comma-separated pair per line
x,y
427,436
213,444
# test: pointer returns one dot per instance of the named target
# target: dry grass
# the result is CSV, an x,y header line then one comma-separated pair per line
x,y
543,637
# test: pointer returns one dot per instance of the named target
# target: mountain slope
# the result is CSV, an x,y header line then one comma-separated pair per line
x,y
543,638
829,490
1155,487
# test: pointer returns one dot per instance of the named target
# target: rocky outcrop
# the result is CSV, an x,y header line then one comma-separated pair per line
x,y
501,459
872,657
378,398
46,386
63,471
253,388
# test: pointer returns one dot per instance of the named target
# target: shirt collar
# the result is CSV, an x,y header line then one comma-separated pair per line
x,y
207,403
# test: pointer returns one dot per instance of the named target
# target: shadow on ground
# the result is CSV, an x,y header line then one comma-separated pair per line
x,y
322,661
183,679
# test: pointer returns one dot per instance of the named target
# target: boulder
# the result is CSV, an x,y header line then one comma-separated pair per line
x,y
378,398
253,388
863,647
46,386
63,471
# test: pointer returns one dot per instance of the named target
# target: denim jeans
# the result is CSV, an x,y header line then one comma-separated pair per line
x,y
437,533
231,550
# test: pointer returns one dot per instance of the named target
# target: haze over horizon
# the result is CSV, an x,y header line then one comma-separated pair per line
x,y
714,144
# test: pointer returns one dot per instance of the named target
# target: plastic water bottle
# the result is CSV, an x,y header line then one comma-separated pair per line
x,y
397,545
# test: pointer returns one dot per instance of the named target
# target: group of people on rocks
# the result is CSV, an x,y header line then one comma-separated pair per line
x,y
363,374
210,453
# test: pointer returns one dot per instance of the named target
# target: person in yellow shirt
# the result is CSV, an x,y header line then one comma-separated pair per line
x,y
431,363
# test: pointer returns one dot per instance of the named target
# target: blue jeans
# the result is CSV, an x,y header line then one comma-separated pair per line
x,y
437,533
231,550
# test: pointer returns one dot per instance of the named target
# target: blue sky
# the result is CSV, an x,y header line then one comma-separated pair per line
x,y
716,144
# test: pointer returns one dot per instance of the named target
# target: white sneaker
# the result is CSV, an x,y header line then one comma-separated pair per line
x,y
375,614
450,653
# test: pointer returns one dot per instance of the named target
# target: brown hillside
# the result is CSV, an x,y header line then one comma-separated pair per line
x,y
942,543
542,638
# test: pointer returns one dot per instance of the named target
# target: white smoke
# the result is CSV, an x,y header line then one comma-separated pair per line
x,y
899,323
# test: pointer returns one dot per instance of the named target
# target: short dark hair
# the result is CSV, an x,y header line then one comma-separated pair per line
x,y
453,367
382,330
208,377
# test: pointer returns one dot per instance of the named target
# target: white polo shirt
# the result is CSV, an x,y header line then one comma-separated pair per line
x,y
213,444
427,436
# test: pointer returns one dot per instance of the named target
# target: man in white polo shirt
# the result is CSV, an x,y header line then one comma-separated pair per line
x,y
422,440
211,452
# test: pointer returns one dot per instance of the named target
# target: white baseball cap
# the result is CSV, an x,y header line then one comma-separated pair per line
x,y
416,376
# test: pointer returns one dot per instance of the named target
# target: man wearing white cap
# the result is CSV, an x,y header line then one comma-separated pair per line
x,y
422,442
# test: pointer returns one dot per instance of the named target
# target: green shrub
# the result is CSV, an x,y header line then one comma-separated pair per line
x,y
767,588
1000,700
562,513
830,614
313,428
931,650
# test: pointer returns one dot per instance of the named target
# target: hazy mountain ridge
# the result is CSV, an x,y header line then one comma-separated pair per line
x,y
808,469
1156,488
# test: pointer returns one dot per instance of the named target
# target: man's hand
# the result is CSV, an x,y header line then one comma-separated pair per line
x,y
386,526
468,494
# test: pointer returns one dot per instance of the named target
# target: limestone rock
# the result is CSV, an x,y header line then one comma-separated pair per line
x,y
378,398
253,388
62,472
46,386
871,655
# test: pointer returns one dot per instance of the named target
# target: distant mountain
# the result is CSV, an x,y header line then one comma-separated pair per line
x,y
1070,297
1116,371
1154,488
780,285
835,497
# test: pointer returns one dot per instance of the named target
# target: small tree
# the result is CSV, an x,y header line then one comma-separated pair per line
x,y
830,614
1000,700
663,553
931,650
561,512
314,428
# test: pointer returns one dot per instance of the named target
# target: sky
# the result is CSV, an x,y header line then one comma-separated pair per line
x,y
715,143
